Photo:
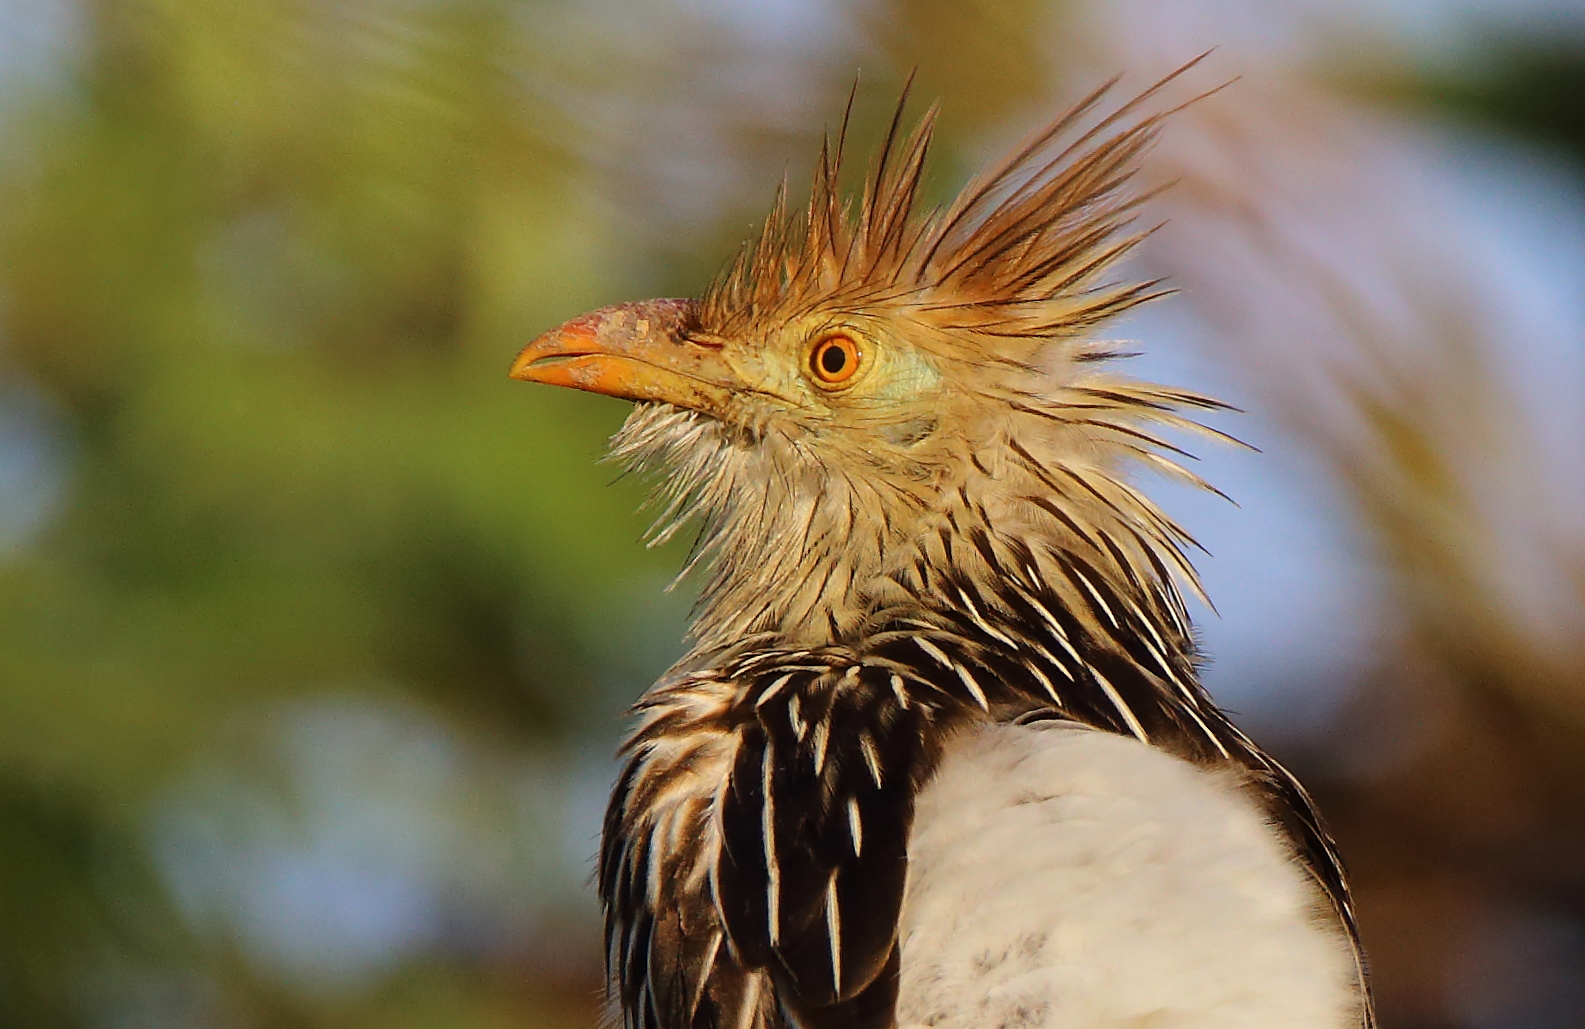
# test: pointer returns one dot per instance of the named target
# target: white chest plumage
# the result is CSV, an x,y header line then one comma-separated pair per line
x,y
858,839
1073,879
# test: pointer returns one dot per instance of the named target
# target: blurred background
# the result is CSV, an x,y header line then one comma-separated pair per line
x,y
316,631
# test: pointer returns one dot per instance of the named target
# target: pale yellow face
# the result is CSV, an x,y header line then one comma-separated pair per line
x,y
833,366
852,380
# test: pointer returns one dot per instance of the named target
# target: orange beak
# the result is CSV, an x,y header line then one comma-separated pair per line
x,y
636,351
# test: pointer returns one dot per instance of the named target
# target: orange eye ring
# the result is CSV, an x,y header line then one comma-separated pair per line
x,y
834,359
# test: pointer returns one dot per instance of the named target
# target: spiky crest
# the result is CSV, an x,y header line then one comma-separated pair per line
x,y
1017,256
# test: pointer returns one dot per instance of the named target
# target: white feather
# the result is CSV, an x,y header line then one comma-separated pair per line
x,y
1067,878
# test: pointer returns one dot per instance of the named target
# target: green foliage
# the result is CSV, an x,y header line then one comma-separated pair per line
x,y
271,260
1534,86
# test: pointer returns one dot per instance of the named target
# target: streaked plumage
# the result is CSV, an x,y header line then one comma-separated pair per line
x,y
911,540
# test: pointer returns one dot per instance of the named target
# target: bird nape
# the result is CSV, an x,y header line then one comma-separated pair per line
x,y
939,754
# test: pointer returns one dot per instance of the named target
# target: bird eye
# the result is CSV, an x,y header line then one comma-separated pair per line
x,y
834,360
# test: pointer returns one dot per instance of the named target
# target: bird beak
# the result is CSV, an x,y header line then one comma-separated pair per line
x,y
635,351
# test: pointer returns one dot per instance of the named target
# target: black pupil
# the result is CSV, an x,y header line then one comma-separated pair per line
x,y
833,359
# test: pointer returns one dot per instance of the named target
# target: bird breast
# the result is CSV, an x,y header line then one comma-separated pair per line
x,y
1065,877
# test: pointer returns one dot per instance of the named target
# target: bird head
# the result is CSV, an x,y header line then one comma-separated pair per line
x,y
868,381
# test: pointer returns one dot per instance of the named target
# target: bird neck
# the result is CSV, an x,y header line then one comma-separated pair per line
x,y
1033,553
1073,601
990,623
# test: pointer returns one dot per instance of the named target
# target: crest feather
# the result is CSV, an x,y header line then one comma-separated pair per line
x,y
1019,254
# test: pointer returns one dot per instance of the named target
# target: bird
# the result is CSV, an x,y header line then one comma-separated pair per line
x,y
938,753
